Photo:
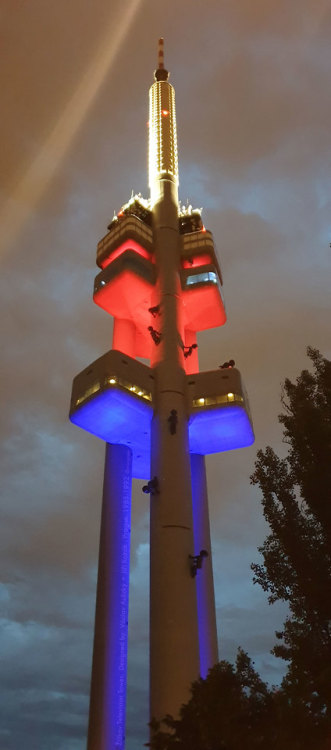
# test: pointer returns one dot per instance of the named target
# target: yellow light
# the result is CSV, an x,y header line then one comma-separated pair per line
x,y
231,396
163,159
133,388
32,185
112,380
201,400
140,393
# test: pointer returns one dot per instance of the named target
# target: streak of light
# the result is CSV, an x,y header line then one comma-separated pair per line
x,y
320,10
39,174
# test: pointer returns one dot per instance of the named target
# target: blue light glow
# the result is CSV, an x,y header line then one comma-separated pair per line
x,y
111,627
204,580
221,428
200,278
119,418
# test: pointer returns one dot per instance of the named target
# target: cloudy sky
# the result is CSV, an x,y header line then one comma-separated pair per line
x,y
253,108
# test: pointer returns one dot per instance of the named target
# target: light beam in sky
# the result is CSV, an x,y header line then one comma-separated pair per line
x,y
39,174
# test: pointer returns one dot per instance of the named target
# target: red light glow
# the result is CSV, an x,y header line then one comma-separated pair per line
x,y
127,245
203,308
165,112
129,297
191,363
196,260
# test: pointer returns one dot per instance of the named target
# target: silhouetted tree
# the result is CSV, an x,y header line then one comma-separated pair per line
x,y
230,710
296,498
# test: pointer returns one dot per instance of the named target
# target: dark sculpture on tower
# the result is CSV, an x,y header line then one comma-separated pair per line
x,y
161,282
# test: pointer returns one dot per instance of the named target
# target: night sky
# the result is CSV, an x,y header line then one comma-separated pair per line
x,y
252,80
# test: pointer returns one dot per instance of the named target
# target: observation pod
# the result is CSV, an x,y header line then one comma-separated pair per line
x,y
124,290
220,418
129,230
113,399
124,286
201,282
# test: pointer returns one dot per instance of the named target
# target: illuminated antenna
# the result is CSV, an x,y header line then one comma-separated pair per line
x,y
161,74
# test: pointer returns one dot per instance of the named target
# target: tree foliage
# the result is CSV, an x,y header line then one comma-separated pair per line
x,y
229,710
296,568
233,709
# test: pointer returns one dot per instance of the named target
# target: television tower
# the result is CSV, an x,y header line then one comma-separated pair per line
x,y
161,281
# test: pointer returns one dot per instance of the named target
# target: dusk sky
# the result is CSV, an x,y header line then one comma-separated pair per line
x,y
252,81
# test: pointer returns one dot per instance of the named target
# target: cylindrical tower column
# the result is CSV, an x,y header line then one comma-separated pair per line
x,y
124,336
192,360
204,579
174,646
108,683
174,651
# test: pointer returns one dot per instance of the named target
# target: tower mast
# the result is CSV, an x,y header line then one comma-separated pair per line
x,y
173,607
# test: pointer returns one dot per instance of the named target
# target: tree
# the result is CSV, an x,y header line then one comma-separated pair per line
x,y
230,710
296,494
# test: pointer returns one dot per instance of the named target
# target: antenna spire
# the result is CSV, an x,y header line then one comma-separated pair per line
x,y
161,74
160,55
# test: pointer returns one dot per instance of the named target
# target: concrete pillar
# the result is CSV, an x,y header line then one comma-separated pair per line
x,y
174,658
124,336
204,579
108,682
174,647
192,361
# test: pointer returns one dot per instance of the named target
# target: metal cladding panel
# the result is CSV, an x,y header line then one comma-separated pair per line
x,y
125,295
219,428
119,418
112,368
220,417
214,384
199,243
129,261
203,307
121,249
127,229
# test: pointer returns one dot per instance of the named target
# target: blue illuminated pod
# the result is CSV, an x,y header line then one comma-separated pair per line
x,y
112,399
118,409
219,412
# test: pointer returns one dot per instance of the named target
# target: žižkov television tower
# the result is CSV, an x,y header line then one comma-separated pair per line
x,y
160,280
